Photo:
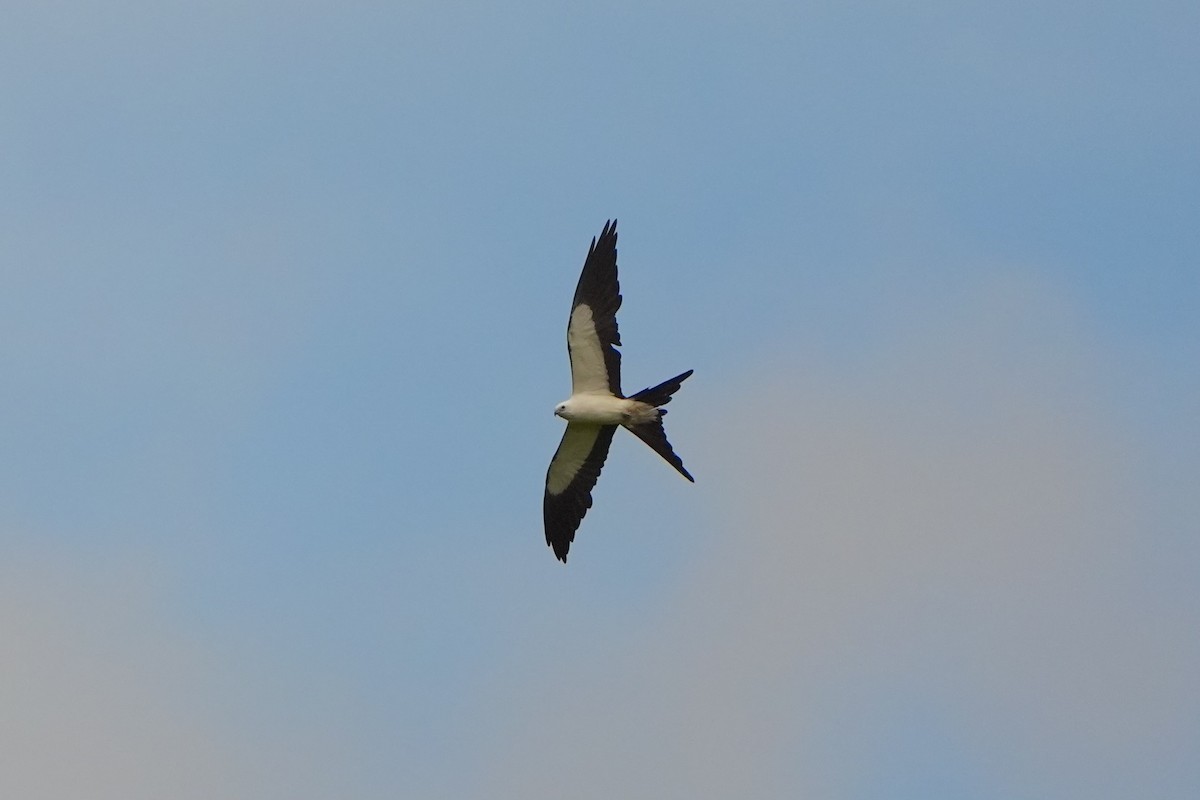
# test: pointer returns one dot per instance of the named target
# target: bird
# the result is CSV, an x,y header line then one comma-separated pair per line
x,y
597,407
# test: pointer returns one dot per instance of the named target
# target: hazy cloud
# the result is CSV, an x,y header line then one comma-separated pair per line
x,y
920,584
101,699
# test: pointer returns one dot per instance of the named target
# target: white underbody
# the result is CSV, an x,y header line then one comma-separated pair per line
x,y
604,409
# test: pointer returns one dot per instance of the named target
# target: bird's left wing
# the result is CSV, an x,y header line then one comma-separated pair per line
x,y
569,480
592,335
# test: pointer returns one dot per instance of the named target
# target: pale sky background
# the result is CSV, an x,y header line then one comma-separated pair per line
x,y
283,291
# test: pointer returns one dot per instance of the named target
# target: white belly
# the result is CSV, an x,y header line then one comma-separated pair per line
x,y
603,409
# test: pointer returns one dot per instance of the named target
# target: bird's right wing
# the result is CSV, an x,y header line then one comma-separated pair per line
x,y
569,480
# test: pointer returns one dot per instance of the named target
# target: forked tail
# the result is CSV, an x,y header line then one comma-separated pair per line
x,y
653,433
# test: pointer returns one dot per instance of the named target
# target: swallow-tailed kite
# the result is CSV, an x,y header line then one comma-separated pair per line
x,y
596,406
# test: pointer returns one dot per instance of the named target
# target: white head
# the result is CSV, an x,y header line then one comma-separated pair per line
x,y
560,410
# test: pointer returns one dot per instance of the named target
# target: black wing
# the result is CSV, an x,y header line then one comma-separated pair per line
x,y
592,335
569,480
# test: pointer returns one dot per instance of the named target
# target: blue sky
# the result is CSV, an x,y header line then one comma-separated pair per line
x,y
284,290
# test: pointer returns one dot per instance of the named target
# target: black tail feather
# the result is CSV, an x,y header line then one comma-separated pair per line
x,y
661,395
653,434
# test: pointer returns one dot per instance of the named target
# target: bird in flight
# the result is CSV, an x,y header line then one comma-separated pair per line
x,y
596,406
